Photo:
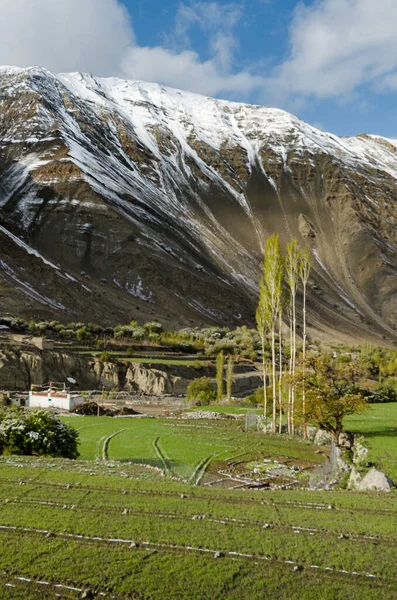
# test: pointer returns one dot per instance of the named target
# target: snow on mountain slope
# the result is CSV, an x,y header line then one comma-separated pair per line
x,y
141,188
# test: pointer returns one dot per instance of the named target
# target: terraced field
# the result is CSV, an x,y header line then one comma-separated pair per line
x,y
187,449
125,521
123,531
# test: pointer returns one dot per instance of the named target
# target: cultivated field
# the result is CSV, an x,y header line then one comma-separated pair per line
x,y
124,530
185,449
128,533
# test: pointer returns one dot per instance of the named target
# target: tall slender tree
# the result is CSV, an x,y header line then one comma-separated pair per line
x,y
220,366
304,272
229,377
263,325
280,367
292,264
271,290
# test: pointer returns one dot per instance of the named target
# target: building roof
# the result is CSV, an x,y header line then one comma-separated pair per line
x,y
54,394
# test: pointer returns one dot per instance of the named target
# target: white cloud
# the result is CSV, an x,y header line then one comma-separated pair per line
x,y
338,46
185,70
180,66
96,36
216,21
65,35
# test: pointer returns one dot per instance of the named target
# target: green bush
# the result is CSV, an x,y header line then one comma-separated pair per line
x,y
82,334
100,345
36,432
384,393
201,391
153,327
256,398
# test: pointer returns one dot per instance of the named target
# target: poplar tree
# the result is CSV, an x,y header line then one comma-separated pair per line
x,y
271,292
280,368
263,326
304,272
292,267
229,377
220,365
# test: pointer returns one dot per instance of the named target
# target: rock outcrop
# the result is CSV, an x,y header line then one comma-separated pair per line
x,y
375,480
19,369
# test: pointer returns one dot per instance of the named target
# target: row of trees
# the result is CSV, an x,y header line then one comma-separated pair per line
x,y
241,341
278,289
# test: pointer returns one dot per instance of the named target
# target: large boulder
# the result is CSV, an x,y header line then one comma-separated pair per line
x,y
375,480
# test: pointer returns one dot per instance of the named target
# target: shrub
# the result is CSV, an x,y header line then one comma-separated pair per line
x,y
154,338
384,393
153,327
36,432
101,345
201,391
82,334
256,398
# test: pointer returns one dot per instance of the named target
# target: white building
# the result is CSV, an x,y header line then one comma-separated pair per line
x,y
54,399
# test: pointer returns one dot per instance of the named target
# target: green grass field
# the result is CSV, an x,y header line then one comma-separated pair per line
x,y
378,424
111,523
66,526
181,447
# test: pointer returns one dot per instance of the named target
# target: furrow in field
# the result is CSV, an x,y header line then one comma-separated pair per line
x,y
320,531
232,499
46,587
186,548
105,447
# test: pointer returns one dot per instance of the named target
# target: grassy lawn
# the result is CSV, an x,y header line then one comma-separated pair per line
x,y
124,533
180,446
378,424
111,523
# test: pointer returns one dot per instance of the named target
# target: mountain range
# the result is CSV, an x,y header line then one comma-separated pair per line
x,y
124,200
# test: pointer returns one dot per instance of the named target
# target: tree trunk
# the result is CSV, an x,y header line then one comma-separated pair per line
x,y
290,372
280,376
264,373
293,364
274,380
304,365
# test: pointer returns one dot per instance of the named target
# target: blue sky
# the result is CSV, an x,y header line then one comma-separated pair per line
x,y
330,62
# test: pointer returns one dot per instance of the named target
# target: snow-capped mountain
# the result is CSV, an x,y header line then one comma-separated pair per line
x,y
124,199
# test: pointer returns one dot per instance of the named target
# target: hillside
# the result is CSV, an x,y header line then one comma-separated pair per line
x,y
124,200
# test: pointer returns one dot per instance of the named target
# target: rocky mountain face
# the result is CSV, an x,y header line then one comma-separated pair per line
x,y
124,200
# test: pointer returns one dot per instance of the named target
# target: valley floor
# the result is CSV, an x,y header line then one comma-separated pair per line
x,y
126,521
